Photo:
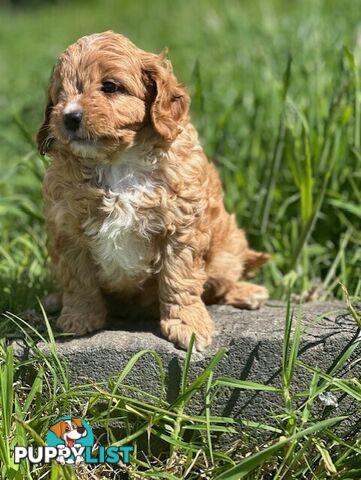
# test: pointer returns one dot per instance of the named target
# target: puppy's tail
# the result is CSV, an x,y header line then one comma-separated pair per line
x,y
253,260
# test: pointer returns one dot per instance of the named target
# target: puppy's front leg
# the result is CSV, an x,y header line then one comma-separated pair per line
x,y
83,309
82,312
181,283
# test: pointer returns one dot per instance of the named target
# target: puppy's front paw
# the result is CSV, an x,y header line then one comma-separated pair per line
x,y
190,319
246,295
80,323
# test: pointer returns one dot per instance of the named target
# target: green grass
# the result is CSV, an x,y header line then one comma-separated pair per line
x,y
276,98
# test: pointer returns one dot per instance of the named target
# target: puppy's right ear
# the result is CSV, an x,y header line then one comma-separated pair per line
x,y
44,138
170,100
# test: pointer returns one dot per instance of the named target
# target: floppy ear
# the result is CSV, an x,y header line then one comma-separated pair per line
x,y
170,100
58,429
43,137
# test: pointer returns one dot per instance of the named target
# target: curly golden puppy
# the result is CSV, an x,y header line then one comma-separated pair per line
x,y
132,205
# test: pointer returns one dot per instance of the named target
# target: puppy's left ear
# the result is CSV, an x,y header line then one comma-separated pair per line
x,y
43,138
170,100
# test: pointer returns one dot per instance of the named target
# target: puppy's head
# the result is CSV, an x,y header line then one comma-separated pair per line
x,y
105,94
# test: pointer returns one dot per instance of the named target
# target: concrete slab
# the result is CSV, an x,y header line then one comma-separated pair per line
x,y
254,347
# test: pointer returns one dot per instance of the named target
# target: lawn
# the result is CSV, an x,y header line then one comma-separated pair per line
x,y
276,98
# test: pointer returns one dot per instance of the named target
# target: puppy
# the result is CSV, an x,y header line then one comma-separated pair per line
x,y
133,208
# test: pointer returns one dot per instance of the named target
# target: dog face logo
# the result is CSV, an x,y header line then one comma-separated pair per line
x,y
69,430
69,435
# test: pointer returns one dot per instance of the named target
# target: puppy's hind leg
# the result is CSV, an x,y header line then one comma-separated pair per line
x,y
229,261
245,295
239,294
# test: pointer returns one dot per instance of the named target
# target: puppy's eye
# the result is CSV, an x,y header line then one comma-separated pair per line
x,y
111,87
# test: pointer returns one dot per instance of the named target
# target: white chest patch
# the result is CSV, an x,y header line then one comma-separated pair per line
x,y
121,246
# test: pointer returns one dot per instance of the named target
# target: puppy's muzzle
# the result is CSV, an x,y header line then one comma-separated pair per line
x,y
72,120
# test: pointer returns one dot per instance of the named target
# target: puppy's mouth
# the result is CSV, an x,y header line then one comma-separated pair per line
x,y
83,140
87,141
84,147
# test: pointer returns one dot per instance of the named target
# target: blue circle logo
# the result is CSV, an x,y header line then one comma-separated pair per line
x,y
72,433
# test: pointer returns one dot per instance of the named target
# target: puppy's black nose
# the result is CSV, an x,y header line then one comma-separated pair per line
x,y
72,120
